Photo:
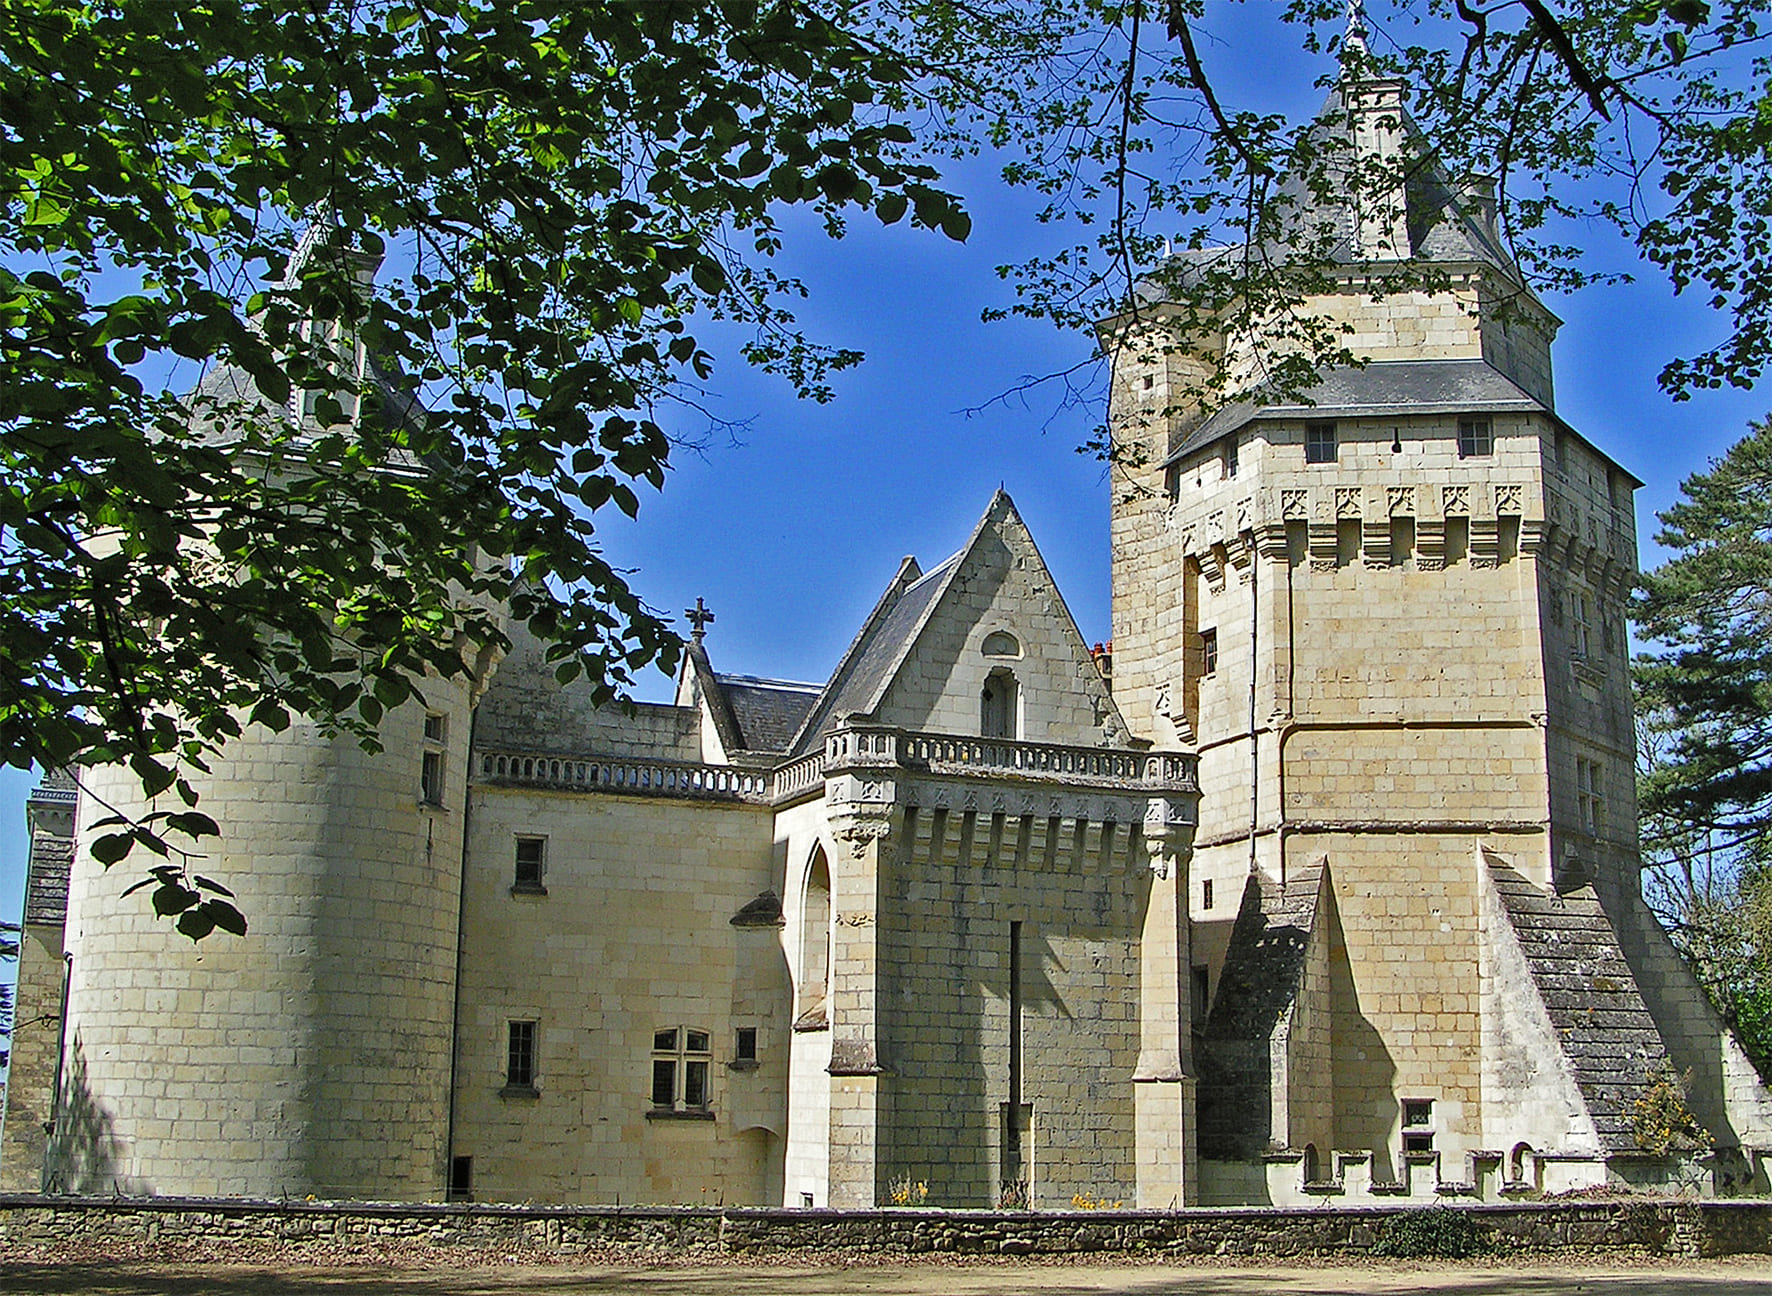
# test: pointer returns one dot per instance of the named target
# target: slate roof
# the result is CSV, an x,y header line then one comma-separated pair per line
x,y
769,712
1593,1000
1384,388
1256,991
46,881
866,669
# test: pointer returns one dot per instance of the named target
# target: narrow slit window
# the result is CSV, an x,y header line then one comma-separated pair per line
x,y
520,1055
1209,652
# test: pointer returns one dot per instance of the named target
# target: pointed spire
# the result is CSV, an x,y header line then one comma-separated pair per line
x,y
1353,44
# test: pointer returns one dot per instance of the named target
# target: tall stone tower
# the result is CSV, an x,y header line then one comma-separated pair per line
x,y
313,1055
1390,620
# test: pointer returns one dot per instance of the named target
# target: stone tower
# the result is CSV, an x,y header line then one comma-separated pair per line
x,y
313,1055
1390,620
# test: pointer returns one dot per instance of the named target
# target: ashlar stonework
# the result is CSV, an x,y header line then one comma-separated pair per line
x,y
1326,891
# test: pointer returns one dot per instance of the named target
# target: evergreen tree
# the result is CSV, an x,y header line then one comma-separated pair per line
x,y
1705,698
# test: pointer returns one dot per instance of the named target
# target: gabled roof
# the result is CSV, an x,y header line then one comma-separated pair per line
x,y
768,711
860,680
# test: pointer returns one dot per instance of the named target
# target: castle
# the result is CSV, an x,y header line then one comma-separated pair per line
x,y
1326,890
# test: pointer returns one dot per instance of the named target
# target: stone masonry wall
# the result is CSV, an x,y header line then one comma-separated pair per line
x,y
1077,888
633,935
210,1228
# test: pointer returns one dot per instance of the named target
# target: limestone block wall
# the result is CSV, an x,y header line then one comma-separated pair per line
x,y
955,885
30,1084
311,1055
1003,588
1404,989
632,936
527,710
803,847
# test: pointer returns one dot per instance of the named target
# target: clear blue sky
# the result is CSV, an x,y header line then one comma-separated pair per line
x,y
791,535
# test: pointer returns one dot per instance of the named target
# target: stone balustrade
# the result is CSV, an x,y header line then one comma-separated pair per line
x,y
849,747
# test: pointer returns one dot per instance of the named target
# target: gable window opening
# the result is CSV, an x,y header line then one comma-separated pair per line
x,y
1476,439
430,769
1209,651
1319,443
520,1056
681,1059
530,863
999,706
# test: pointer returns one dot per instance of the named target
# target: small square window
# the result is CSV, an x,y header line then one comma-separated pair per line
x,y
1209,652
434,728
1150,381
745,1050
520,1055
1319,443
1418,1113
665,1041
1475,439
531,858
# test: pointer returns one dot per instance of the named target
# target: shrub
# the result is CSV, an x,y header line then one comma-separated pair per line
x,y
1437,1232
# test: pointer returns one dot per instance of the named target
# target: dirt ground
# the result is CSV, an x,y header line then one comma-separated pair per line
x,y
442,1275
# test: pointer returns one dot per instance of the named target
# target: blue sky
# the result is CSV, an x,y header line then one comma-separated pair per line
x,y
791,534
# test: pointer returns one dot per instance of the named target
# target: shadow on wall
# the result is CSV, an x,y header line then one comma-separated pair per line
x,y
1365,1101
1237,1044
85,1155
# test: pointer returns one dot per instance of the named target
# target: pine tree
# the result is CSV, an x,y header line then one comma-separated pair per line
x,y
1705,698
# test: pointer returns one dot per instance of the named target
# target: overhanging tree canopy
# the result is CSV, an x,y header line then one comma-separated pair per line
x,y
556,193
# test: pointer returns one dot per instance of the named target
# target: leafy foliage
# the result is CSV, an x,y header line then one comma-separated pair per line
x,y
553,191
1433,1232
1705,741
9,934
1662,1122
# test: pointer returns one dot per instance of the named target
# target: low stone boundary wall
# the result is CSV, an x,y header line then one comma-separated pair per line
x,y
1662,1227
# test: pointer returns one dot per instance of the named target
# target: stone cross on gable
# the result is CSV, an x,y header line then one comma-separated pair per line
x,y
699,619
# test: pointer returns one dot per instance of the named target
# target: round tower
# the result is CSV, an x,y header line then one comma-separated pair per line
x,y
312,1055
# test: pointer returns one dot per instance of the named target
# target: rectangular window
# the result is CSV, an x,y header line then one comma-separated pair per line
x,y
430,769
1206,894
681,1060
745,1050
1589,803
1230,457
1201,999
531,856
520,1055
461,1178
1319,443
1418,1125
1208,652
1475,439
1582,615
